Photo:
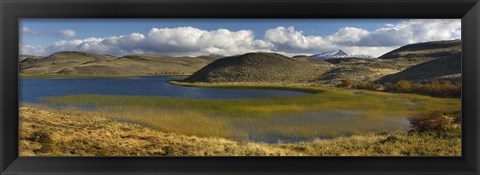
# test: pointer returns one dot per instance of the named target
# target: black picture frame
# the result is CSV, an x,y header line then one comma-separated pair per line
x,y
12,10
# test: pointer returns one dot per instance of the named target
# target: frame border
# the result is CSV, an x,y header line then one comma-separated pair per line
x,y
11,11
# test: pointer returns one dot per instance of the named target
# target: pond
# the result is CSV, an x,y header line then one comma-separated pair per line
x,y
32,89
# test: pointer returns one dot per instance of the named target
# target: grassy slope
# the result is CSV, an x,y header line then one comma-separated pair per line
x,y
45,132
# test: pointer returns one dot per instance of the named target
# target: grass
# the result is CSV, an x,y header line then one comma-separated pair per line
x,y
47,132
342,113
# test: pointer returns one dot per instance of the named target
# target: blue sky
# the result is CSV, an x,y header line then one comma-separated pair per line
x,y
203,36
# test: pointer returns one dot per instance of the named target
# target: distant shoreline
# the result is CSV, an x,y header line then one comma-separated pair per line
x,y
249,85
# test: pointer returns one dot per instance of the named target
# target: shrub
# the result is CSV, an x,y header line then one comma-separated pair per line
x,y
366,85
403,86
441,125
389,86
429,122
346,83
44,138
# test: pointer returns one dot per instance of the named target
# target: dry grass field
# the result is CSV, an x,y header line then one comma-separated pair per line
x,y
46,132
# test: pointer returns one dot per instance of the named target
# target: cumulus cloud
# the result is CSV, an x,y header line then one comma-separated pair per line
x,y
412,31
286,40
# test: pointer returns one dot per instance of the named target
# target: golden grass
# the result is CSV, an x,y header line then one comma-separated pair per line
x,y
47,132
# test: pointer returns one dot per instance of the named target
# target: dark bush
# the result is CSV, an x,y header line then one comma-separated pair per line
x,y
438,124
44,138
429,122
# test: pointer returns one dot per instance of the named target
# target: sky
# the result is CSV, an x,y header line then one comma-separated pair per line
x,y
193,37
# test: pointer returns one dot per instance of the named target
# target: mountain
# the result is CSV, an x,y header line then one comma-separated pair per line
x,y
361,56
84,63
259,67
337,54
330,54
216,55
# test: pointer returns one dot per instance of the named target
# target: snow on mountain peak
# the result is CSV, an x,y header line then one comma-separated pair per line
x,y
337,54
330,54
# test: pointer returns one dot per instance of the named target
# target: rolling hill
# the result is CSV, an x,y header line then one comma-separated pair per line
x,y
259,67
433,49
440,60
84,63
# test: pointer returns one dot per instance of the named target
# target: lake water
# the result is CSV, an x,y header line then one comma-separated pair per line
x,y
32,89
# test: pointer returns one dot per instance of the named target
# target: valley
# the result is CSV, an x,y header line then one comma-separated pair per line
x,y
257,103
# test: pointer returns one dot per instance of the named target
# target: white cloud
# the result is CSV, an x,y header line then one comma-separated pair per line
x,y
413,31
67,33
286,40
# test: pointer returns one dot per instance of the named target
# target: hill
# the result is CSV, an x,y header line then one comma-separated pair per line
x,y
271,67
424,62
425,50
84,63
441,69
440,60
27,57
259,67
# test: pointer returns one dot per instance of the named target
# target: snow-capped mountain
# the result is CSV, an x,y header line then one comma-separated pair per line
x,y
330,54
337,54
216,55
361,56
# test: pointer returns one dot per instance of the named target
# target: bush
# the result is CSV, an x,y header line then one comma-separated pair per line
x,y
434,88
44,138
403,86
388,86
429,122
346,83
366,85
441,125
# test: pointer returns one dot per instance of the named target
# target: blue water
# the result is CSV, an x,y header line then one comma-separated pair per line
x,y
33,89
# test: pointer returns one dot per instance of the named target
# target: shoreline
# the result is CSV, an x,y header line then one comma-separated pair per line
x,y
242,85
